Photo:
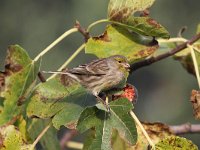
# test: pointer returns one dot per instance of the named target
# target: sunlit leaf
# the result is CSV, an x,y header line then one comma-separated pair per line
x,y
17,81
175,142
121,9
104,124
21,124
145,26
12,139
117,40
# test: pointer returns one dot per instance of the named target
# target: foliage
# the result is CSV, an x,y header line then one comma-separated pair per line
x,y
62,101
105,123
12,139
171,143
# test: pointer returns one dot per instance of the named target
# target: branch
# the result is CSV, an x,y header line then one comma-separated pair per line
x,y
82,30
152,60
185,128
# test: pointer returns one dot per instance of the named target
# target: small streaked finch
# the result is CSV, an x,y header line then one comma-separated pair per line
x,y
101,75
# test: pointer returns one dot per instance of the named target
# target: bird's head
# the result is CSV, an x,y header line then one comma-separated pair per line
x,y
122,62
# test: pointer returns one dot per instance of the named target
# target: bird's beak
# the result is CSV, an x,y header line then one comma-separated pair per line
x,y
127,66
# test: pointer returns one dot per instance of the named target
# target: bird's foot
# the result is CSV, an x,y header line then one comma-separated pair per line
x,y
105,103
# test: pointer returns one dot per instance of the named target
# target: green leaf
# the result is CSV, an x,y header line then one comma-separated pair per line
x,y
17,81
89,139
145,26
61,99
121,9
104,123
21,124
120,12
117,142
12,139
49,141
117,40
175,143
185,57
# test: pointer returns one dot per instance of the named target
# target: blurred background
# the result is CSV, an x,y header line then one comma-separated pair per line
x,y
164,87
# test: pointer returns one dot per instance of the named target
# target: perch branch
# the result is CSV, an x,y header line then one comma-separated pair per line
x,y
185,128
152,60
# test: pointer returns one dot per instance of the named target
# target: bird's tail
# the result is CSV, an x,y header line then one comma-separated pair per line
x,y
55,72
64,73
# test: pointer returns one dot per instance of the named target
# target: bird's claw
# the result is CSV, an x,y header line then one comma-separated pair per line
x,y
107,106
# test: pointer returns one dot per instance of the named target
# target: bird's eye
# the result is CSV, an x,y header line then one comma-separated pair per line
x,y
119,61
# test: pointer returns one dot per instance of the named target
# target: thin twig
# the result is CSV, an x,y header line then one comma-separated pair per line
x,y
143,130
152,60
40,136
96,22
185,128
82,30
55,42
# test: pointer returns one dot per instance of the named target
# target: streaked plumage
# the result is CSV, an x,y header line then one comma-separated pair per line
x,y
102,74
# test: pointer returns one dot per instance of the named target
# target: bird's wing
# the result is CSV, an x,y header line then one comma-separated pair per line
x,y
96,67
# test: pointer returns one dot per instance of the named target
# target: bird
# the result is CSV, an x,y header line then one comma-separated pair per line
x,y
100,75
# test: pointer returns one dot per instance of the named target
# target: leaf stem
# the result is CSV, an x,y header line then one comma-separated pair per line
x,y
195,63
69,60
152,60
55,42
96,22
40,136
185,128
74,145
172,40
143,130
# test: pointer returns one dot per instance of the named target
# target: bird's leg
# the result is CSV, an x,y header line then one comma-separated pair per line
x,y
107,104
103,102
